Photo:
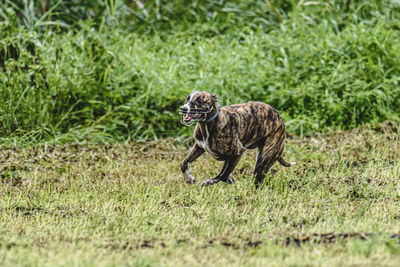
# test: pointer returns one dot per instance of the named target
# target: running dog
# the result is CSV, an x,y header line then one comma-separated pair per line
x,y
226,132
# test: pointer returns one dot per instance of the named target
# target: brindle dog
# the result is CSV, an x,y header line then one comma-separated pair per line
x,y
227,132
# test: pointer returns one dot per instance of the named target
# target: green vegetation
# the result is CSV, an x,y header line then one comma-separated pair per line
x,y
127,204
115,70
84,83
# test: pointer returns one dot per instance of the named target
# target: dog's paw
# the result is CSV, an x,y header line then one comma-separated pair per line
x,y
230,180
209,182
188,177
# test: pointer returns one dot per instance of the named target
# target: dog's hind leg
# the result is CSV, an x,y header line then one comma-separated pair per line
x,y
224,174
268,154
195,152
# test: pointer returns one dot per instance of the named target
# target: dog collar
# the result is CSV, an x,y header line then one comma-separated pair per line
x,y
215,115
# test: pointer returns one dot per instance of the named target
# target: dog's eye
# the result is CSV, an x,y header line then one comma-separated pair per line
x,y
188,98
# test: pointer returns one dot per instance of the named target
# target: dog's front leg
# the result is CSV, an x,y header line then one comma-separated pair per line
x,y
224,174
193,155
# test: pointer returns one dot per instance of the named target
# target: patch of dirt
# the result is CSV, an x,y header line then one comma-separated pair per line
x,y
327,238
63,211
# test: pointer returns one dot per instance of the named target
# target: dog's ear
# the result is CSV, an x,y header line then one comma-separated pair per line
x,y
214,97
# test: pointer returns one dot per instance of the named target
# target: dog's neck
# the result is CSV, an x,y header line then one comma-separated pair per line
x,y
213,115
211,121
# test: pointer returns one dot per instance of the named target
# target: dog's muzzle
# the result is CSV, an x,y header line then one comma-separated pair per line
x,y
192,115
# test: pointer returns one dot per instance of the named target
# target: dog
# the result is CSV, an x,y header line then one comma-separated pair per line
x,y
226,132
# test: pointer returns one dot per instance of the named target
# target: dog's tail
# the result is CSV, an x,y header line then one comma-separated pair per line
x,y
284,163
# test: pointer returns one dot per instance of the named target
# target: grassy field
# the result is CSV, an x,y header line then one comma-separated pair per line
x,y
86,87
105,205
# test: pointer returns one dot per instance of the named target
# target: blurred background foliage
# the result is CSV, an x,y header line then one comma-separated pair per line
x,y
114,70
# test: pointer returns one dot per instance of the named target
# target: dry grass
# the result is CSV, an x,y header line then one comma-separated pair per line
x,y
102,205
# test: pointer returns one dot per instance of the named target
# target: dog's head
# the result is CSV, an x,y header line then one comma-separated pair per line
x,y
197,107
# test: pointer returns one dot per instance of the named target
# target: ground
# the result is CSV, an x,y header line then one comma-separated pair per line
x,y
127,204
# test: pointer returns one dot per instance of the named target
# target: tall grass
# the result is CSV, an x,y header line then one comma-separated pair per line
x,y
114,72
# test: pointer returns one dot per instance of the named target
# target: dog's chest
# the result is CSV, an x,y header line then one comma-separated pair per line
x,y
204,143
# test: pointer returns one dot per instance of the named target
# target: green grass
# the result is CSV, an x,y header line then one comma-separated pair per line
x,y
83,85
117,76
105,205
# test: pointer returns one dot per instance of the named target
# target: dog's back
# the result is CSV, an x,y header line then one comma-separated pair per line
x,y
254,121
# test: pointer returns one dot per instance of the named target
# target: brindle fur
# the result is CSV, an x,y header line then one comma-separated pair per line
x,y
237,128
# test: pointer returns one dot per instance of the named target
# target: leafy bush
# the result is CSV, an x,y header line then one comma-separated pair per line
x,y
115,73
